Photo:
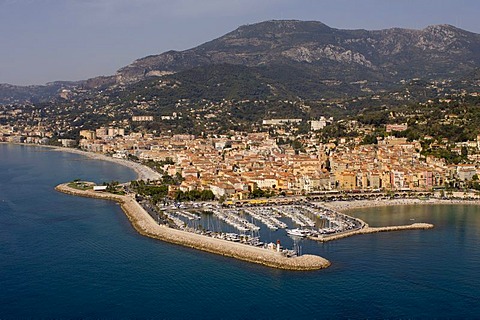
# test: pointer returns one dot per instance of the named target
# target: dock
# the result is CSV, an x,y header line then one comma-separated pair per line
x,y
366,229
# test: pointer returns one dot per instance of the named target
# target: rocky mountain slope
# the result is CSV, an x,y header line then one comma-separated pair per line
x,y
353,55
295,59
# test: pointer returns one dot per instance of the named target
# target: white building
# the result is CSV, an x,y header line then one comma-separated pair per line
x,y
278,122
319,124
142,118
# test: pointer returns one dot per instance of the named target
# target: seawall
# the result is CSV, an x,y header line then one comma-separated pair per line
x,y
367,229
147,226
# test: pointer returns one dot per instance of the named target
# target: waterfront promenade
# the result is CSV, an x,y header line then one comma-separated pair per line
x,y
147,226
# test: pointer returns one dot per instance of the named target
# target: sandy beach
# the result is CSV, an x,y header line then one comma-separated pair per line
x,y
147,226
143,172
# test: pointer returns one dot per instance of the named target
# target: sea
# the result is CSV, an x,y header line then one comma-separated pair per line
x,y
65,257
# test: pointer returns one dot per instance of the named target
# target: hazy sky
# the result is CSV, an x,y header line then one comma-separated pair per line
x,y
47,40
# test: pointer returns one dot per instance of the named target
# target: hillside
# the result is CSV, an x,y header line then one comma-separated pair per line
x,y
298,60
346,55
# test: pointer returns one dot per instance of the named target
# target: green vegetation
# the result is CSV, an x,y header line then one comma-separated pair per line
x,y
475,183
158,165
155,192
370,139
158,193
114,187
259,193
445,153
80,185
194,195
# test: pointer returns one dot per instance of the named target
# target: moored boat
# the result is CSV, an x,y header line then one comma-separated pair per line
x,y
297,232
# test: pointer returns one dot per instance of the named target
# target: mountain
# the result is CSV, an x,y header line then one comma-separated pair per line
x,y
11,94
304,60
347,55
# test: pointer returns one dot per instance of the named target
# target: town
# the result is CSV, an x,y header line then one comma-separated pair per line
x,y
243,165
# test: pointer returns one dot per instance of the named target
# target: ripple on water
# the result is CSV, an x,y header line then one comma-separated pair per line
x,y
64,257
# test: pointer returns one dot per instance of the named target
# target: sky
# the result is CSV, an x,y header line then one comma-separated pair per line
x,y
48,40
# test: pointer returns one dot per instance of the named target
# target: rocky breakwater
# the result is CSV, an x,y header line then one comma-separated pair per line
x,y
366,229
147,226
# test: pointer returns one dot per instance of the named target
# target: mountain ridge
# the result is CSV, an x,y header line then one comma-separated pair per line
x,y
389,52
317,53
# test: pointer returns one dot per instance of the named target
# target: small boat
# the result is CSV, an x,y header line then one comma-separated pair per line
x,y
297,232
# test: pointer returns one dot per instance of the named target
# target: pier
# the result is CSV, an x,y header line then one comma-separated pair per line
x,y
267,216
366,229
231,217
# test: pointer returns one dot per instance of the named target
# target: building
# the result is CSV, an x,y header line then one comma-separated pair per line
x,y
318,124
346,180
396,127
101,132
113,132
88,134
222,190
142,118
223,144
466,172
68,143
279,122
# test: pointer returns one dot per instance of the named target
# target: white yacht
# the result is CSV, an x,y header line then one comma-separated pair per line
x,y
297,232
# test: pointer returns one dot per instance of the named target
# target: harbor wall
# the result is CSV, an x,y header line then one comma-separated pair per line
x,y
147,226
367,229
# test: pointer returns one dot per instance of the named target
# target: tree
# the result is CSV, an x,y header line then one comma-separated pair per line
x,y
370,139
111,186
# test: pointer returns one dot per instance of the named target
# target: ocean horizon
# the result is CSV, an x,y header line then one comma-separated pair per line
x,y
63,256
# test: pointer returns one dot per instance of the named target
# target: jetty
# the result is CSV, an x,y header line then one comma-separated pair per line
x,y
147,226
366,229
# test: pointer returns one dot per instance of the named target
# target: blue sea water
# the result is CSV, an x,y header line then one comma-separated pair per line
x,y
67,257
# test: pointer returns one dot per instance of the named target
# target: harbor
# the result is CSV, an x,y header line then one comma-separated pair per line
x,y
267,226
271,235
145,224
256,225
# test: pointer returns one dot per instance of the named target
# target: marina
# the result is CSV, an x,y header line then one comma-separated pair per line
x,y
149,222
287,225
232,218
296,214
279,229
267,216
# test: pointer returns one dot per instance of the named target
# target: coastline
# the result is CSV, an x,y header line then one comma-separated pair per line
x,y
345,206
142,172
147,226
